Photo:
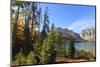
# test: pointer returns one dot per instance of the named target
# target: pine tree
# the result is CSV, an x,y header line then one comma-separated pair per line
x,y
15,34
58,41
20,59
48,49
37,50
71,49
52,27
27,44
45,26
34,21
31,58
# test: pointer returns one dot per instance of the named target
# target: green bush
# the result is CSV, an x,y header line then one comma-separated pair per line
x,y
31,58
83,54
20,59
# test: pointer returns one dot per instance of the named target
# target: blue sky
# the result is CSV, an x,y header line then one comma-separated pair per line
x,y
73,17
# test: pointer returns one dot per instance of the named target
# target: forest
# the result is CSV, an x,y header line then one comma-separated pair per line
x,y
35,42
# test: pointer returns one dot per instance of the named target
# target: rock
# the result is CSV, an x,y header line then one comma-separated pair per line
x,y
88,34
66,33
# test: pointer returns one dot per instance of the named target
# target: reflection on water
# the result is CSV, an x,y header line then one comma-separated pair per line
x,y
87,46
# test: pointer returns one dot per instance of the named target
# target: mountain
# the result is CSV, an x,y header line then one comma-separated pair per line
x,y
85,35
88,34
66,33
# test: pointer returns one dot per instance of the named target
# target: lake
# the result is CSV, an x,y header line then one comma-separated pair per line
x,y
87,46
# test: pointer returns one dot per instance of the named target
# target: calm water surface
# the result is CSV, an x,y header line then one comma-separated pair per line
x,y
87,46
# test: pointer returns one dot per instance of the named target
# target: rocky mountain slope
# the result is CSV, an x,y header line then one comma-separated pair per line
x,y
88,34
85,35
69,34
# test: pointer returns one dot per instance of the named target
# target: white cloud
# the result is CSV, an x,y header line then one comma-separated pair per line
x,y
81,24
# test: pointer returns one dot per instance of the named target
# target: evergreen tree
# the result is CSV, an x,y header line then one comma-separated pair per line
x,y
27,44
16,40
58,41
71,49
45,26
20,59
52,27
34,21
37,50
31,58
39,19
48,49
